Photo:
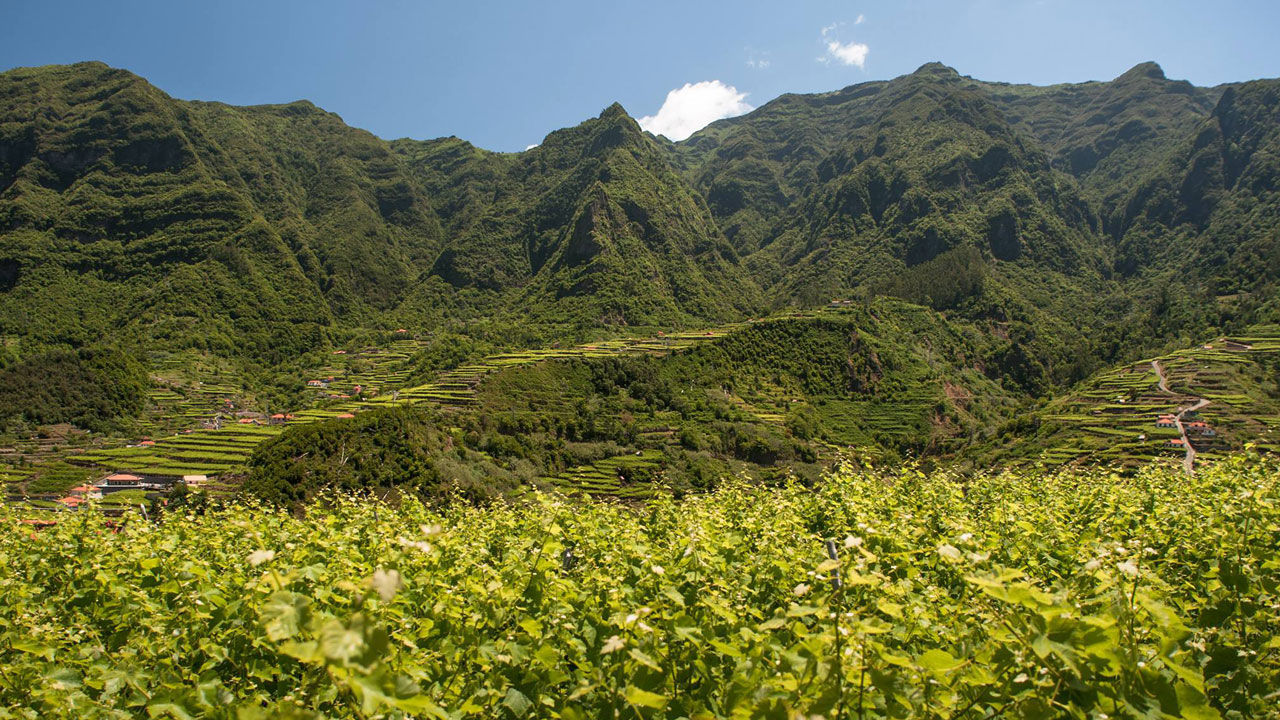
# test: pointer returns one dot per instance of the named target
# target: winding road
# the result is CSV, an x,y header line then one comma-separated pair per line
x,y
1188,462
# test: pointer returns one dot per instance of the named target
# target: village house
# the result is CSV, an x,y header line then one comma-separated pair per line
x,y
1166,421
1200,428
315,383
1177,443
85,491
120,481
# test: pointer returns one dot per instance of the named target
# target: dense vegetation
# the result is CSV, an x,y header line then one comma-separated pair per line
x,y
96,389
769,399
1105,215
1015,595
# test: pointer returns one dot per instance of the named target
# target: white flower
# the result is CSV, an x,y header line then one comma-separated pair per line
x,y
1022,677
657,570
422,545
386,583
257,557
800,590
613,644
1128,568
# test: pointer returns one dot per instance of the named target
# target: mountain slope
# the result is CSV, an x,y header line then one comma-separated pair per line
x,y
592,223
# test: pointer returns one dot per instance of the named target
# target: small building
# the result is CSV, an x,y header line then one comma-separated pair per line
x,y
122,479
1166,421
1201,428
315,383
345,416
85,491
277,419
339,352
401,331
1177,443
147,443
247,421
71,502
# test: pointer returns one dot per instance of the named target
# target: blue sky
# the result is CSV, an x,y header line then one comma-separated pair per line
x,y
503,74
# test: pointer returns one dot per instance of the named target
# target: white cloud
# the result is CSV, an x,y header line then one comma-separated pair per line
x,y
694,106
851,53
757,64
861,19
530,147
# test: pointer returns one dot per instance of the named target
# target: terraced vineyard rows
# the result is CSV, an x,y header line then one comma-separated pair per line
x,y
1113,417
218,451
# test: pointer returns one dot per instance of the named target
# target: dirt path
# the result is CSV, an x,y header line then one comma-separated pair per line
x,y
1188,462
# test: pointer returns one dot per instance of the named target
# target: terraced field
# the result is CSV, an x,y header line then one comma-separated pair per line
x,y
612,477
1112,417
225,450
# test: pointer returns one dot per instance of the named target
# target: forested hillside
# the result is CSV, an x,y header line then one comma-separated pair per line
x,y
1071,226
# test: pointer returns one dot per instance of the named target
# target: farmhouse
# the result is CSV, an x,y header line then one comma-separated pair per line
x,y
120,480
278,419
1201,428
315,383
1166,421
1177,442
85,491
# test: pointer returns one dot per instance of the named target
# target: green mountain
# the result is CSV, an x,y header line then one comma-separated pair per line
x,y
1072,226
593,223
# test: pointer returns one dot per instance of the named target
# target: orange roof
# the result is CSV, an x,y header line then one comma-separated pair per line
x,y
82,489
346,416
71,501
245,421
278,416
147,442
123,477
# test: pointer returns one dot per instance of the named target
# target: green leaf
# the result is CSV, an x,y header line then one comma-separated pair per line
x,y
516,702
644,698
938,661
283,614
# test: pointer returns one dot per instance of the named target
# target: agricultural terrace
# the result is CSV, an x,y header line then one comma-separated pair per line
x,y
1111,418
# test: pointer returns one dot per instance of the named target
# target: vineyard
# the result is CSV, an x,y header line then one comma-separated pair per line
x,y
898,594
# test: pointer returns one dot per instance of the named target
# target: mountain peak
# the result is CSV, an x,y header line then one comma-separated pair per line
x,y
937,71
614,111
1147,69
